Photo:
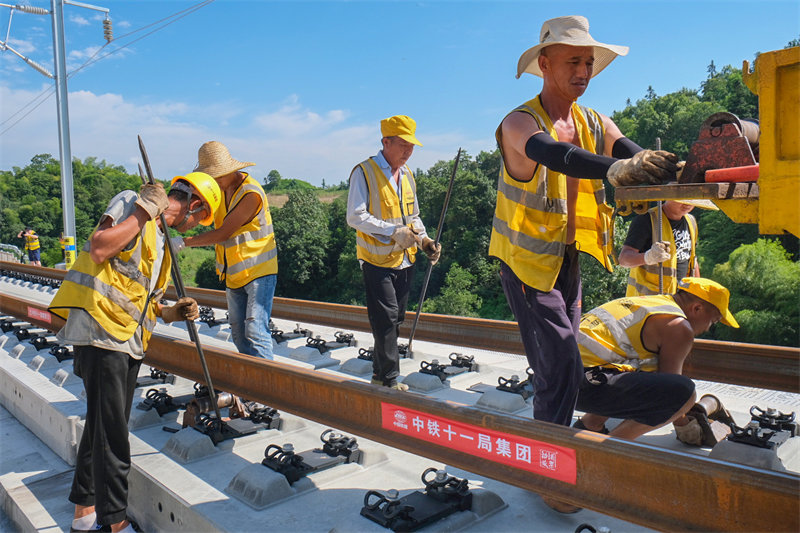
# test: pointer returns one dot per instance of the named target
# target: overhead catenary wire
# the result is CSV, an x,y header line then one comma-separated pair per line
x,y
47,93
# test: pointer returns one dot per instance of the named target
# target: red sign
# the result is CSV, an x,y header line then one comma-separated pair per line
x,y
540,458
39,314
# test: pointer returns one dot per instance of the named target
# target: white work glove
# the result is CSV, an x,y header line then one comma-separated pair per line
x,y
184,309
432,250
405,238
645,167
177,243
690,433
658,253
153,199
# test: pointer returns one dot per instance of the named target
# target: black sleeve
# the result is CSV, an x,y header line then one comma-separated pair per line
x,y
640,234
624,148
567,158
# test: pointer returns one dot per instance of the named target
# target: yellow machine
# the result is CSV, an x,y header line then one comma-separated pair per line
x,y
773,202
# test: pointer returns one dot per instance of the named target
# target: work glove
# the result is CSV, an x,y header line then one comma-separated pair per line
x,y
658,253
690,433
153,199
432,250
405,237
647,166
184,309
177,243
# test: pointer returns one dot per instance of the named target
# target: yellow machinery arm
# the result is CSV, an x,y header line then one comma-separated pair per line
x,y
774,201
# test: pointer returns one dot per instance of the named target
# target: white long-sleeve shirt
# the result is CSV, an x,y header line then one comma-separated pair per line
x,y
359,217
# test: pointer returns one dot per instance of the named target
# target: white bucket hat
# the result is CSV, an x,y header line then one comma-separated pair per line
x,y
572,30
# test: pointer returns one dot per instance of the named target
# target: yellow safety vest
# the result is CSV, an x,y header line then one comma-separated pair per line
x,y
530,219
31,242
114,292
250,252
643,280
611,335
385,204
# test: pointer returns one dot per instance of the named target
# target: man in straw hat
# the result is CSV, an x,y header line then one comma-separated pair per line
x,y
382,207
246,255
110,299
633,351
544,215
673,245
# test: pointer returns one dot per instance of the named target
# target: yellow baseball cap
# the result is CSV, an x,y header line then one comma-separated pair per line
x,y
400,126
713,293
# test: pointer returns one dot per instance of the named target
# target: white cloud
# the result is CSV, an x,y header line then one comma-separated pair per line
x,y
79,20
297,141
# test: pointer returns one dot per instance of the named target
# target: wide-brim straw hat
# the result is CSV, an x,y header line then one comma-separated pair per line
x,y
214,159
572,30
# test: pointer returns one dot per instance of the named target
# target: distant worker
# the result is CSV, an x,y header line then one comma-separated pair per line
x,y
382,207
544,216
633,350
674,246
110,299
31,245
246,255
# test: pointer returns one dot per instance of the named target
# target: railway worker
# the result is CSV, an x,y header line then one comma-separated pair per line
x,y
110,300
31,245
551,203
633,350
645,248
382,207
246,255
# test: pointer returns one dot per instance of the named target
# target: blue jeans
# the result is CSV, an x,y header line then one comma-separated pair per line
x,y
249,309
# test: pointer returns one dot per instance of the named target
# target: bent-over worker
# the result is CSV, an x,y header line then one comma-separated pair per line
x,y
110,299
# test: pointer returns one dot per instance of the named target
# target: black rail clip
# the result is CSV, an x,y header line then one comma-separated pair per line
x,y
443,496
279,336
336,449
7,324
62,353
523,388
159,400
40,342
402,349
767,429
366,353
219,430
258,413
463,361
207,317
342,340
157,377
434,368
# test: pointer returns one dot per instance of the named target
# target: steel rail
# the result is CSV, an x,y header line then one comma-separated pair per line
x,y
654,487
736,363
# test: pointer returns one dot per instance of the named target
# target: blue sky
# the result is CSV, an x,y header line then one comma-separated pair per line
x,y
301,86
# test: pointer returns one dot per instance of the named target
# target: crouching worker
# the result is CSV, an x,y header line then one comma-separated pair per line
x,y
633,351
110,301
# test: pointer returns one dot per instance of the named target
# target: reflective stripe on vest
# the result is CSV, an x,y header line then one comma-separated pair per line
x,y
250,252
643,280
611,335
385,205
530,224
32,242
115,292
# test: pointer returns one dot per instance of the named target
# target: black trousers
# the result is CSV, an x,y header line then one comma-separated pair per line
x,y
387,297
104,453
548,324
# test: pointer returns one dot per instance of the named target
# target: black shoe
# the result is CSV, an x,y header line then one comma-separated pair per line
x,y
579,425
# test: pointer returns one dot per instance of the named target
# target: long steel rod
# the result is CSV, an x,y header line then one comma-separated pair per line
x,y
751,365
660,206
177,278
435,243
644,484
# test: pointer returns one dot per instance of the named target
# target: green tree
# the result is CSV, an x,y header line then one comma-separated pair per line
x,y
456,297
272,181
206,275
302,236
765,294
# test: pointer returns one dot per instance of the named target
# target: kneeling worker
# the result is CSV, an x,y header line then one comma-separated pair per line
x,y
110,301
633,350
